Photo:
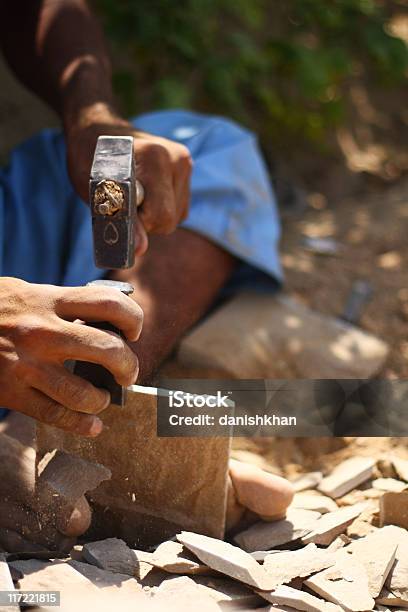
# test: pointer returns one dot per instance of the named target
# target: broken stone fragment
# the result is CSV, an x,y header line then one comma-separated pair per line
x,y
347,476
331,525
69,476
376,553
298,600
74,587
6,582
388,598
181,592
229,594
112,555
366,522
401,467
307,481
345,584
104,579
227,559
247,337
174,558
311,501
340,542
358,496
297,524
397,580
394,509
62,481
389,485
49,576
287,565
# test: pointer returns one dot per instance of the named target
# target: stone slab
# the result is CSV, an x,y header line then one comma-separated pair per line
x,y
74,587
268,535
68,476
227,559
112,555
345,584
401,467
317,503
104,579
376,552
331,525
347,476
159,485
287,565
253,333
6,583
397,580
389,599
389,485
394,509
175,558
286,597
228,594
307,481
179,593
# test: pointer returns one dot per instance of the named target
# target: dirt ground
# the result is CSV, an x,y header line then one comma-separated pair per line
x,y
371,233
369,223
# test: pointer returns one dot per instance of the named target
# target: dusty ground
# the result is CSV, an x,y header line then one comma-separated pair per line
x,y
371,231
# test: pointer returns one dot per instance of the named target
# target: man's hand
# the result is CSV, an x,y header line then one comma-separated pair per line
x,y
162,166
38,333
32,517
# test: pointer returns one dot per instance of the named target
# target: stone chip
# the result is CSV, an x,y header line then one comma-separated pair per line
x,y
394,509
331,525
287,565
112,555
227,559
345,584
347,476
298,600
267,535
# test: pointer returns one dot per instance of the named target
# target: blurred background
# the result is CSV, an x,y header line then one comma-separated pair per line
x,y
299,72
324,86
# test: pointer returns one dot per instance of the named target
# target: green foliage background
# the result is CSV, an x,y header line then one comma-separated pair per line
x,y
280,67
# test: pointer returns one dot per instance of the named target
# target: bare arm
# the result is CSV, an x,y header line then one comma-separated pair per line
x,y
56,47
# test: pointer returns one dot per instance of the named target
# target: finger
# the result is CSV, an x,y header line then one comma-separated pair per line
x,y
17,470
96,303
158,211
182,176
74,522
43,409
141,241
69,390
28,527
18,517
105,348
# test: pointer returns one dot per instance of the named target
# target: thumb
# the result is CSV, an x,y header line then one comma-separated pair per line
x,y
141,239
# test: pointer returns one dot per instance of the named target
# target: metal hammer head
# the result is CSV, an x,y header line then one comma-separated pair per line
x,y
112,196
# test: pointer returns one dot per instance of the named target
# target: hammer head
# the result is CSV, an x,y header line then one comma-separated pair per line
x,y
112,191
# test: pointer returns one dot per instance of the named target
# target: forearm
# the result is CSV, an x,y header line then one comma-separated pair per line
x,y
56,48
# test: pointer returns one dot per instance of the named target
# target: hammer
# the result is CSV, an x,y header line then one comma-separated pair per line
x,y
114,194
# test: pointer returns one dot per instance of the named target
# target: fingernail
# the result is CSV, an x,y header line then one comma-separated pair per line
x,y
95,428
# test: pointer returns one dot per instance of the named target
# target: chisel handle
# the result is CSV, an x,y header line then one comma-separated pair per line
x,y
97,374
